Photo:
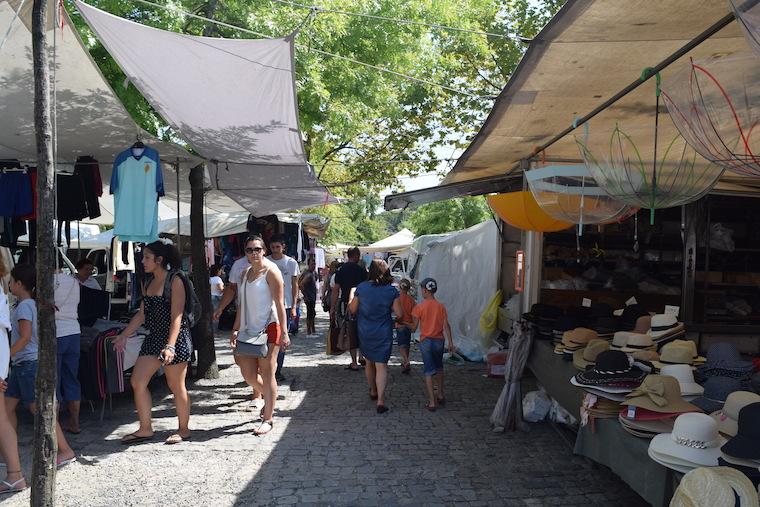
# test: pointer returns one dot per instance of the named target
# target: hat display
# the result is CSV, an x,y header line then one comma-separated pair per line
x,y
620,339
727,417
723,359
611,366
746,443
659,393
695,440
710,487
604,408
717,390
578,338
637,341
664,325
685,377
630,316
587,356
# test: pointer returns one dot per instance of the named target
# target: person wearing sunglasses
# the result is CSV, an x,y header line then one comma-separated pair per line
x,y
262,309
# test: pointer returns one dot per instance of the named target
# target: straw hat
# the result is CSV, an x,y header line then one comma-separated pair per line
x,y
620,339
660,394
685,376
676,352
637,341
710,487
664,325
586,357
727,418
578,338
646,355
694,440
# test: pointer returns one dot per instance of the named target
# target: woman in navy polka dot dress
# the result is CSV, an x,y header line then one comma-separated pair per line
x,y
168,344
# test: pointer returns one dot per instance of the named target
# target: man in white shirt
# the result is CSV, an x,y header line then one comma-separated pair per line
x,y
289,268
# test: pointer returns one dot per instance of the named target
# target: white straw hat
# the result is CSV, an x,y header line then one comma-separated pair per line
x,y
695,440
685,376
710,487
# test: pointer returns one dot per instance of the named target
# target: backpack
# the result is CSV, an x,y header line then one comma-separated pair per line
x,y
193,308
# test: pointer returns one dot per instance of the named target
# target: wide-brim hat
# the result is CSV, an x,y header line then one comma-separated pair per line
x,y
727,417
717,391
611,365
695,439
714,486
663,325
669,461
725,356
746,443
660,393
654,426
620,339
646,355
587,356
637,341
616,394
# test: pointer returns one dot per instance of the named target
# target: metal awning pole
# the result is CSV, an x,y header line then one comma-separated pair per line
x,y
179,242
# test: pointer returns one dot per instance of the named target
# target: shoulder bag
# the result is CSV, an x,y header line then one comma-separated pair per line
x,y
250,344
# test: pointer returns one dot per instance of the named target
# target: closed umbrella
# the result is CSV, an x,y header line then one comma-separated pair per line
x,y
507,414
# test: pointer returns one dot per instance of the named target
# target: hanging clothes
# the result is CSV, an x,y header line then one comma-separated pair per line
x,y
137,183
89,170
33,182
15,190
70,197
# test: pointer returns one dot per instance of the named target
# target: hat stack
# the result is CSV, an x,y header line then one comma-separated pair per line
x,y
543,318
629,317
586,357
564,323
612,376
574,340
694,442
664,328
724,360
679,352
603,321
653,407
635,342
710,487
603,408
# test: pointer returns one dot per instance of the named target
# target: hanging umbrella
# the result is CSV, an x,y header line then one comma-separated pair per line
x,y
520,210
748,16
715,104
570,193
507,414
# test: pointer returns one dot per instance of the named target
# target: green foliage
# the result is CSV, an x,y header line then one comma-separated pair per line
x,y
447,216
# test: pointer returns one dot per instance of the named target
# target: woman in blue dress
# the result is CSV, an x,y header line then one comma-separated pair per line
x,y
373,303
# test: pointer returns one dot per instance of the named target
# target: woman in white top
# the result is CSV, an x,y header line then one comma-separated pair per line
x,y
14,479
217,289
262,307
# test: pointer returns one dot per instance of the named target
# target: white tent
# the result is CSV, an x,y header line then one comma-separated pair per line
x,y
392,244
234,100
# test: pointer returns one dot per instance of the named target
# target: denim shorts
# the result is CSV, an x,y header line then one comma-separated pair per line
x,y
432,356
403,336
21,382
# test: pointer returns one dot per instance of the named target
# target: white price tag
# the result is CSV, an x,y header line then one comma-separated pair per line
x,y
586,302
672,310
631,301
631,412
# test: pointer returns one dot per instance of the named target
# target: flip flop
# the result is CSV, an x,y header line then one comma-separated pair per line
x,y
11,487
176,438
258,432
429,407
381,409
134,439
62,463
349,367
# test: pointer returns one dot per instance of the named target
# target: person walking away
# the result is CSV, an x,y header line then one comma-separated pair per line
x,y
23,352
85,268
372,303
14,478
307,282
431,317
168,344
289,269
217,290
404,323
68,334
348,276
328,285
262,309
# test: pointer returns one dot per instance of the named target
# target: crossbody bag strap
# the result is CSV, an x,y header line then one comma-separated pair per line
x,y
243,282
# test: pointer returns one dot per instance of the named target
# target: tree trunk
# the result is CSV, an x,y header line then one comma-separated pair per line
x,y
45,445
203,333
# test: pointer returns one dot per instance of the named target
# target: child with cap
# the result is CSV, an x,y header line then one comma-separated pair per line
x,y
404,323
431,317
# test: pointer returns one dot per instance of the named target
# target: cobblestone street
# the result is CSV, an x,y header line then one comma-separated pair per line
x,y
328,447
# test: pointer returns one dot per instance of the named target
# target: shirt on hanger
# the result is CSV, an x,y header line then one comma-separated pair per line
x,y
137,183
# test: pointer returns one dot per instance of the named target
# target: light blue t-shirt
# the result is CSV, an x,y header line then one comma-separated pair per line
x,y
25,310
137,183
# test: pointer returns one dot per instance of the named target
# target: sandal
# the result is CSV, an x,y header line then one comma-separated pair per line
x,y
12,487
429,407
132,438
381,409
262,429
352,368
176,438
60,463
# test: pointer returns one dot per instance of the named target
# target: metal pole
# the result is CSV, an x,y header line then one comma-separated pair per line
x,y
179,242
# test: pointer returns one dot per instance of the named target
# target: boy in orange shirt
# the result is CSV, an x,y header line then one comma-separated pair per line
x,y
404,323
431,317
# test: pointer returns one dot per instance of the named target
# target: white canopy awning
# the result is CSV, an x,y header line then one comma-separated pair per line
x,y
234,100
394,243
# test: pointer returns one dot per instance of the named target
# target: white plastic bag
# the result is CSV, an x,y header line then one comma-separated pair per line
x,y
536,404
560,415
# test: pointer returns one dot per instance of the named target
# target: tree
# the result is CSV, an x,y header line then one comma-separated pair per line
x,y
446,216
45,445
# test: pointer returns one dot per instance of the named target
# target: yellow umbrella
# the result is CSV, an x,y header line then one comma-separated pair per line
x,y
520,210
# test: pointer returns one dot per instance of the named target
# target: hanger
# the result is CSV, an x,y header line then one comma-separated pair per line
x,y
138,147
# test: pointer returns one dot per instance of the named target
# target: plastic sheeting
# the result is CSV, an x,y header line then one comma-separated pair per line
x,y
714,103
520,210
394,243
234,100
467,262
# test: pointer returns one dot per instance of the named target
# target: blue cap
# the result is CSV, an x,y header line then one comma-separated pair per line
x,y
429,284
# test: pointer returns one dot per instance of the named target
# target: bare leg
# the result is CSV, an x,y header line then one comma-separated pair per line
x,y
73,424
404,356
9,447
381,380
250,371
10,411
354,364
429,389
439,380
267,366
175,377
370,372
144,369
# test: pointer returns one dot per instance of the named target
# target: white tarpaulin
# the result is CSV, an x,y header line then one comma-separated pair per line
x,y
392,244
467,262
234,100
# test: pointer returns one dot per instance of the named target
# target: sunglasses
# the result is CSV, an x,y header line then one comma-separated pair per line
x,y
256,249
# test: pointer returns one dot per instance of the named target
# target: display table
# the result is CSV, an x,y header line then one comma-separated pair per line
x,y
554,373
626,455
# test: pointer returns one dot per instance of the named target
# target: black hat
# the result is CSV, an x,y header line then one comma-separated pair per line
x,y
746,443
601,310
567,323
631,314
604,325
611,366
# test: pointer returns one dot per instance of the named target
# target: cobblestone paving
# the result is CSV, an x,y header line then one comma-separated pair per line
x,y
328,447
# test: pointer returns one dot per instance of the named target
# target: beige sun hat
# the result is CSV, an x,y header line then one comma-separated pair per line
x,y
646,355
728,416
587,356
676,352
714,486
620,339
578,338
638,341
660,393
